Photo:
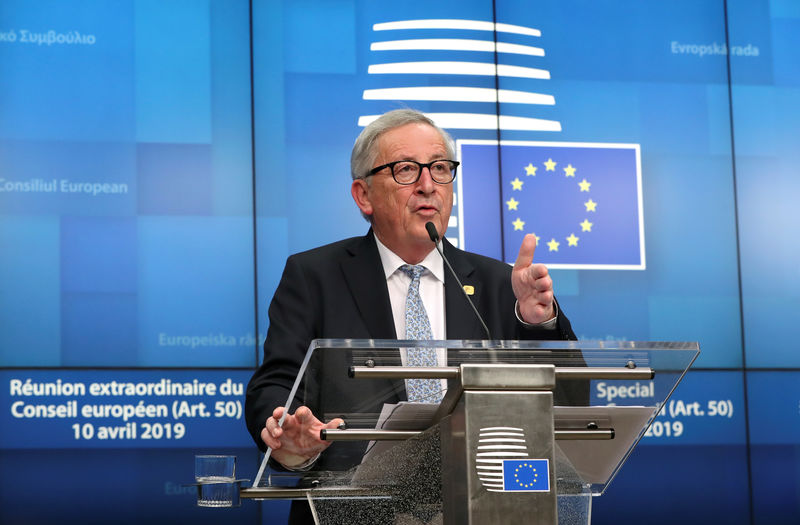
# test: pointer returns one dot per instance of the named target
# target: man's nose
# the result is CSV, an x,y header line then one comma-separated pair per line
x,y
425,183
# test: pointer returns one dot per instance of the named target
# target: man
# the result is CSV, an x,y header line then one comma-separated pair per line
x,y
403,169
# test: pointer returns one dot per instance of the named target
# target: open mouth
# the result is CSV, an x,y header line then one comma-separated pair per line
x,y
427,209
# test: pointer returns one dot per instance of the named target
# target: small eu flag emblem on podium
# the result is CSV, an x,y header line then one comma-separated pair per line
x,y
526,475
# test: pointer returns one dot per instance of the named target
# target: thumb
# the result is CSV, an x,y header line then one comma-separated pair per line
x,y
526,251
334,423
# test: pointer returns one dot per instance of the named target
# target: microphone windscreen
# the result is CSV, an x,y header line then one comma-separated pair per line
x,y
432,233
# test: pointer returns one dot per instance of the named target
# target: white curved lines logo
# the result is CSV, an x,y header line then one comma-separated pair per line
x,y
496,444
477,25
457,44
434,78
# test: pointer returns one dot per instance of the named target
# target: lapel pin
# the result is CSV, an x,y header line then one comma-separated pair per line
x,y
469,290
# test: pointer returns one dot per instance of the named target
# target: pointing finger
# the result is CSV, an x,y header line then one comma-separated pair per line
x,y
526,251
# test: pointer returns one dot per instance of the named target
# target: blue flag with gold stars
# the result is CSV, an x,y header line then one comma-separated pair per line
x,y
528,475
583,201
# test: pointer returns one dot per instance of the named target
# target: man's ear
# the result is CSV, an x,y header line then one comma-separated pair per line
x,y
360,192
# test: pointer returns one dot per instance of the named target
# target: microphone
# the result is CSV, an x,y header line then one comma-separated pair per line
x,y
434,235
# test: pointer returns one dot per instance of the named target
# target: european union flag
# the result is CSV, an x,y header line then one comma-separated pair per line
x,y
527,475
583,201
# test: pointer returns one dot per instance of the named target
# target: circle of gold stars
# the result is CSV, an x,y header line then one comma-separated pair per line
x,y
520,483
569,172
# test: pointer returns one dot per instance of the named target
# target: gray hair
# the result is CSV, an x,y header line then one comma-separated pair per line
x,y
365,149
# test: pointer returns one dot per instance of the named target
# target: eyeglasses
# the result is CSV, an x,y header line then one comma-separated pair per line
x,y
408,171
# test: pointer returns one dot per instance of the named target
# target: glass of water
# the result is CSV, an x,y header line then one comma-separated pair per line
x,y
215,476
214,468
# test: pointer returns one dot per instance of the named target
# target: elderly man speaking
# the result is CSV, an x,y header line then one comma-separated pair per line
x,y
403,169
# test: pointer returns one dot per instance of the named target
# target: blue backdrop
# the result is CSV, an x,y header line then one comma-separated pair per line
x,y
160,160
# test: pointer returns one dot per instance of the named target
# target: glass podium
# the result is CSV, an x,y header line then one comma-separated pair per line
x,y
520,431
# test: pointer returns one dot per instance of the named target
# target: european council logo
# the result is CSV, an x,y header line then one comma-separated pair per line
x,y
526,475
503,465
582,201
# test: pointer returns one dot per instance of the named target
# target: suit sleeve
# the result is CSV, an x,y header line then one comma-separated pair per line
x,y
291,328
561,332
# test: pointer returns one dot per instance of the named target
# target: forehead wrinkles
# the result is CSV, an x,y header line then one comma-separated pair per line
x,y
391,147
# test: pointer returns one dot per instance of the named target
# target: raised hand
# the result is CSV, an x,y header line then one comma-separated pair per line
x,y
532,285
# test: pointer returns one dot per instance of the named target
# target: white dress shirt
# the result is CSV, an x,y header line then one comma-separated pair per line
x,y
431,290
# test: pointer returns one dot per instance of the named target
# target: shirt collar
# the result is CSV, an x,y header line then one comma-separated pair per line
x,y
391,261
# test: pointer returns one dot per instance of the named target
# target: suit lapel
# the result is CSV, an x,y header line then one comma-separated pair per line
x,y
461,321
364,275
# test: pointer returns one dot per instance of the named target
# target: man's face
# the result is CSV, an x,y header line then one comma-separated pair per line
x,y
399,212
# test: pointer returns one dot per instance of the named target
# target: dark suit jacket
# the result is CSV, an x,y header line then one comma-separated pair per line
x,y
339,291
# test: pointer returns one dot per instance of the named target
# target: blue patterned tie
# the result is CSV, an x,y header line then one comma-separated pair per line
x,y
418,327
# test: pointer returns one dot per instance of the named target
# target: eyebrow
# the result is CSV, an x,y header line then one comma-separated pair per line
x,y
435,158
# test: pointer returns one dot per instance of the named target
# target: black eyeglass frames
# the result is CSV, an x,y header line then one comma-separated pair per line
x,y
409,171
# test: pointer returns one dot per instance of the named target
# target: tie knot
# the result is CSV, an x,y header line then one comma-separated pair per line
x,y
412,270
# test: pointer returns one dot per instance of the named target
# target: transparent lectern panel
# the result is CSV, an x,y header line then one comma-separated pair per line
x,y
609,388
